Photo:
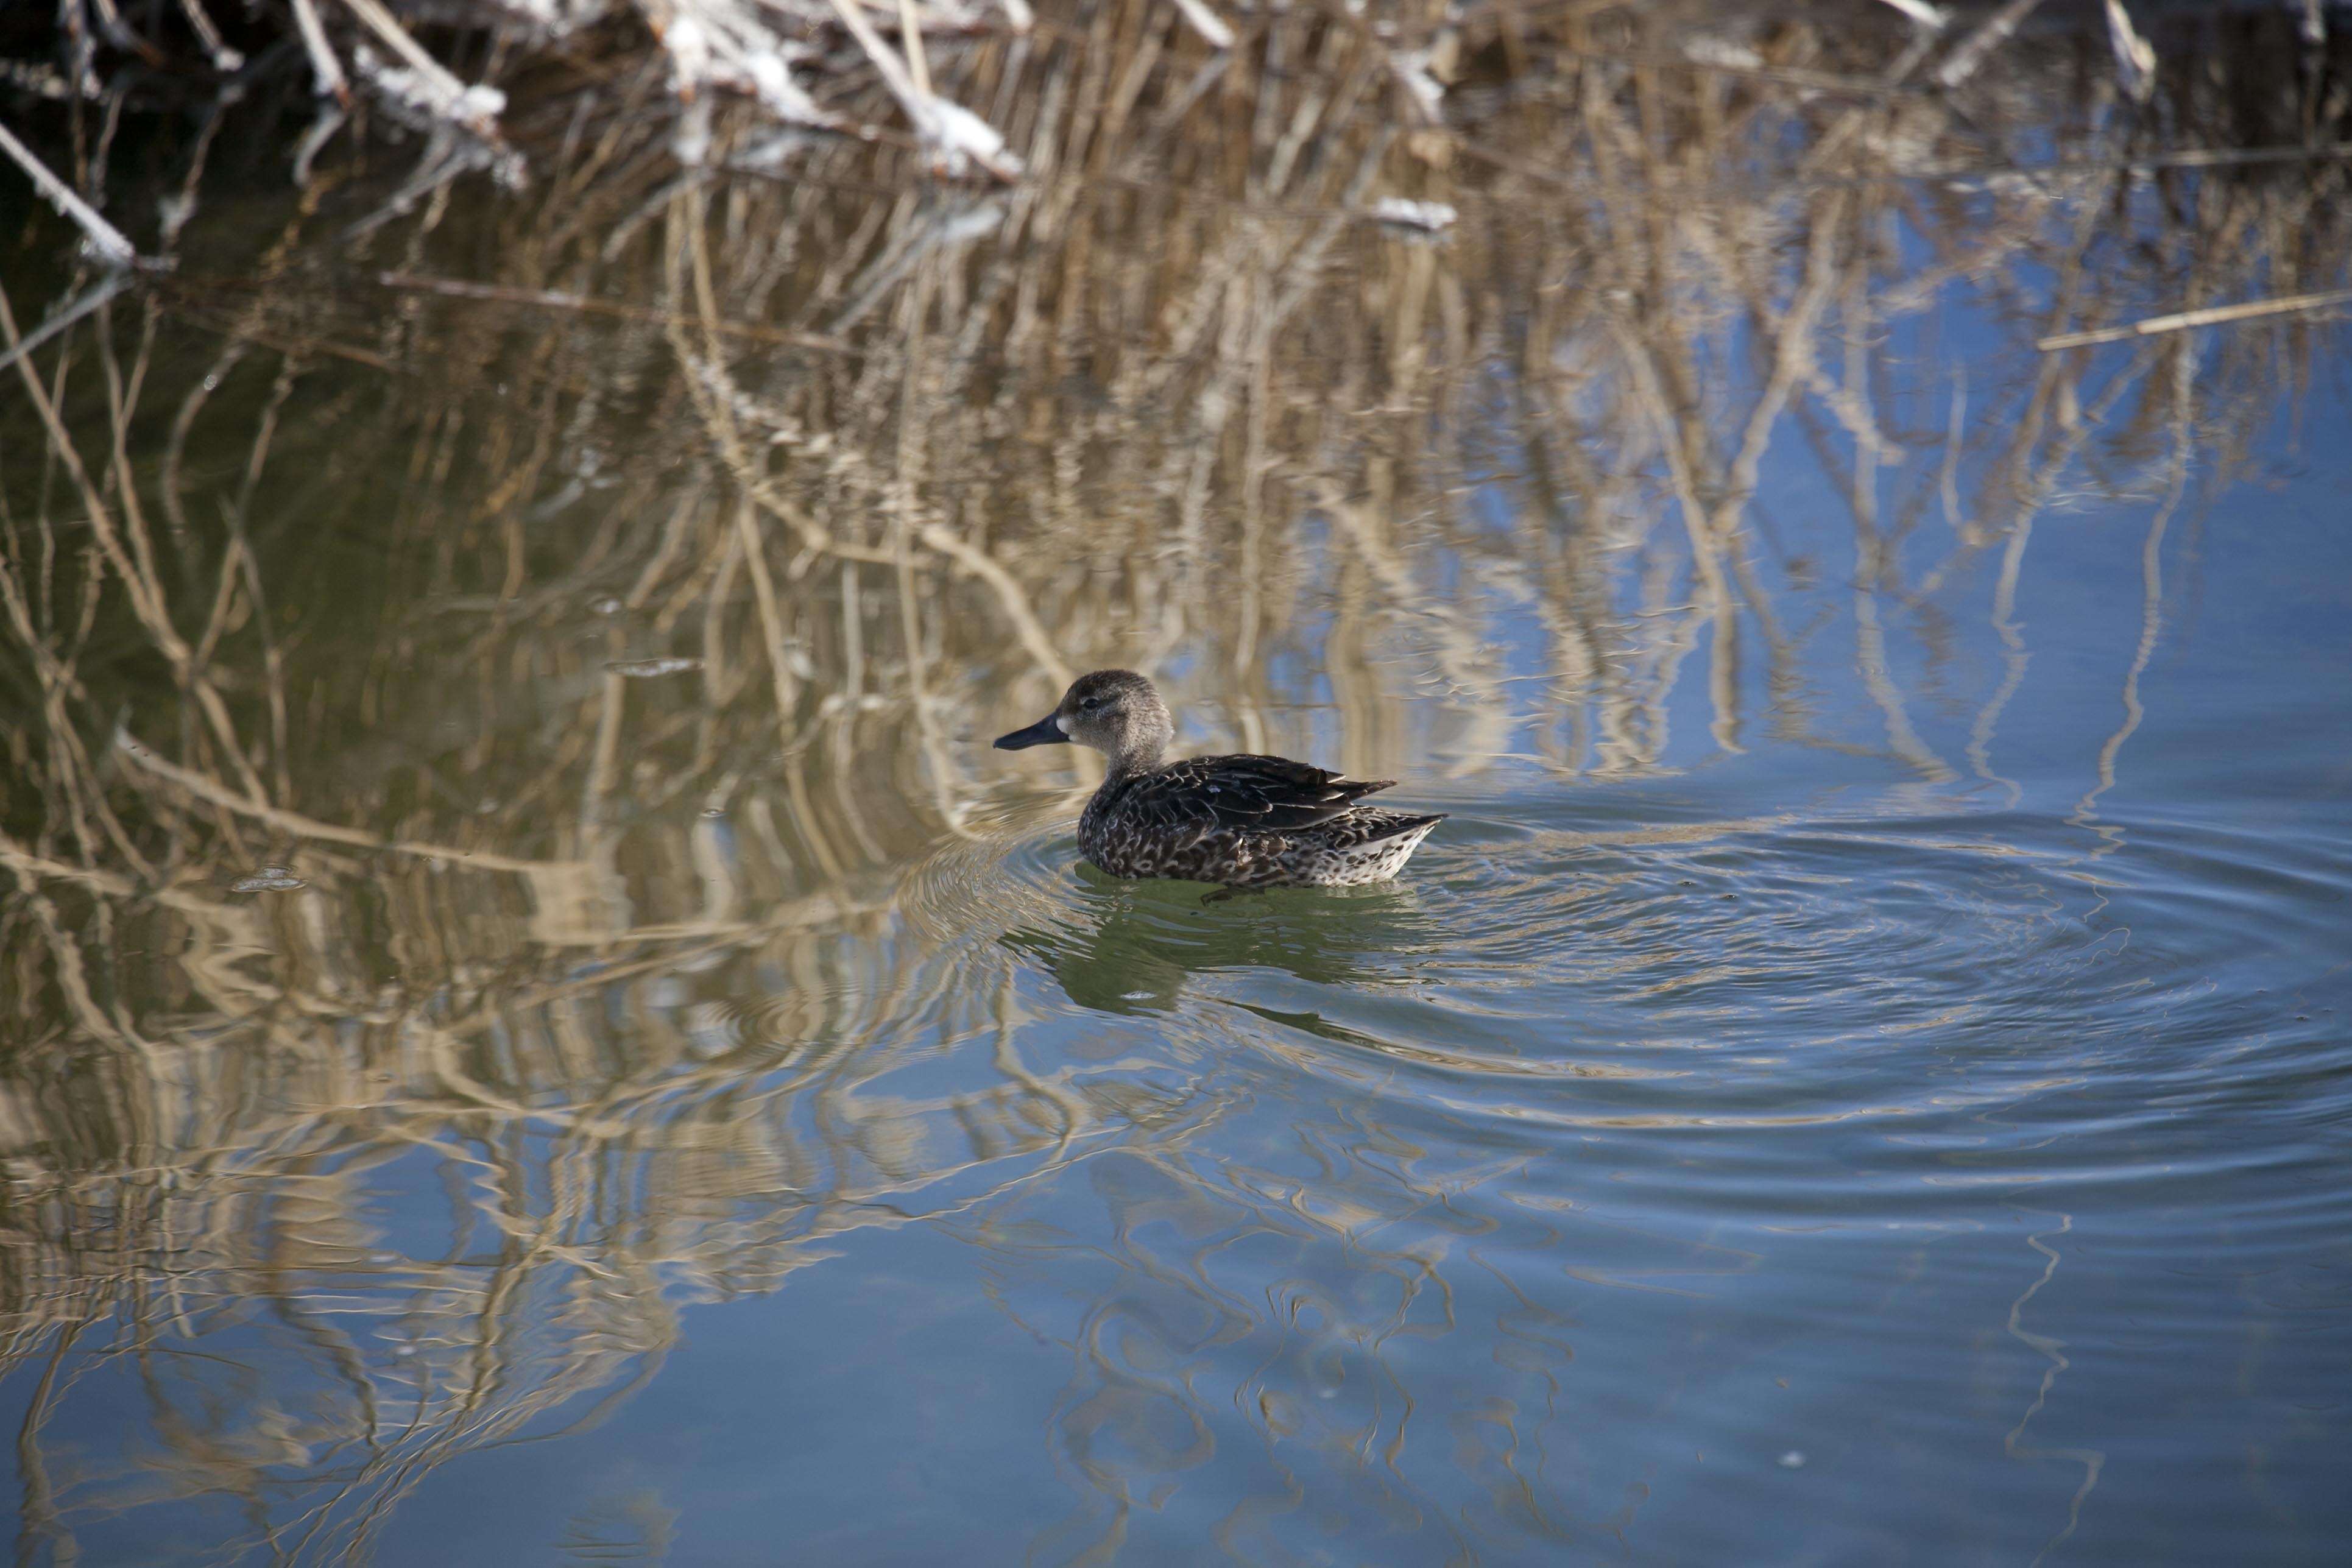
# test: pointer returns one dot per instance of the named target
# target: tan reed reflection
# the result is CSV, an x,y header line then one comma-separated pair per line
x,y
230,1180
589,592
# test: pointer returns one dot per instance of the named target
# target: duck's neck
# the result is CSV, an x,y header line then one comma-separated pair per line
x,y
1139,755
1140,739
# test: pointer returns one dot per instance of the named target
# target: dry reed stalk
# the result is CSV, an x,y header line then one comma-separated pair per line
x,y
2190,321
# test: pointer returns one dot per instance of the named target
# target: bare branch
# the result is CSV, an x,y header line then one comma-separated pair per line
x,y
104,239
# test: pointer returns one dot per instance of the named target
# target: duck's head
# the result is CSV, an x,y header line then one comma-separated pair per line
x,y
1114,710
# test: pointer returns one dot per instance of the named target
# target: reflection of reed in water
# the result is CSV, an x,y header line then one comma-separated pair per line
x,y
1027,431
361,575
607,1151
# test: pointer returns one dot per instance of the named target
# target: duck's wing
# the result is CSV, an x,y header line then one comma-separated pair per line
x,y
1250,794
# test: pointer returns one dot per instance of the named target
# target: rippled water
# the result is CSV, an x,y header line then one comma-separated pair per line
x,y
608,1065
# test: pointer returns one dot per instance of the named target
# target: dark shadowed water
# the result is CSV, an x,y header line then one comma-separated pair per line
x,y
1863,1075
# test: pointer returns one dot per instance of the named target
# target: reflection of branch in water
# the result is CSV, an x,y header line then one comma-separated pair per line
x,y
2092,1459
2151,577
491,1389
2013,659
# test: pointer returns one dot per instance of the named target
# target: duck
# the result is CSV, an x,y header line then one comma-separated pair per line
x,y
1242,821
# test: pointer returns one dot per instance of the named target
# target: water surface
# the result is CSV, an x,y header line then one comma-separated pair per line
x,y
1861,1076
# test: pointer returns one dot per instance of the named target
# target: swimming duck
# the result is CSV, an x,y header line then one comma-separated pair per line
x,y
1245,821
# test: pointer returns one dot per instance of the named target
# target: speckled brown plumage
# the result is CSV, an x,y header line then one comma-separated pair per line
x,y
1243,821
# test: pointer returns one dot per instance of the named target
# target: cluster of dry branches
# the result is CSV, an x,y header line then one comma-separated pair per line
x,y
588,588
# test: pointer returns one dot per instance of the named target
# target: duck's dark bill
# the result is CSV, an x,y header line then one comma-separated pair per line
x,y
1045,732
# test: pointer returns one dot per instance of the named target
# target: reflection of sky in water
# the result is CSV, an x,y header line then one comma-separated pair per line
x,y
2244,616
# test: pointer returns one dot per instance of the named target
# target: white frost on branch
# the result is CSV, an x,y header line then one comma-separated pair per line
x,y
438,101
443,97
1923,14
954,136
424,90
224,60
1707,50
326,71
959,138
1205,22
427,84
556,18
1429,217
779,94
690,139
1411,69
725,45
688,43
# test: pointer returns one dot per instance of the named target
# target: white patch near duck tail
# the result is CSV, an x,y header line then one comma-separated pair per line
x,y
1390,854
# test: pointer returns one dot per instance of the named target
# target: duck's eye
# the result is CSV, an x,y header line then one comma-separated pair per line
x,y
1088,704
